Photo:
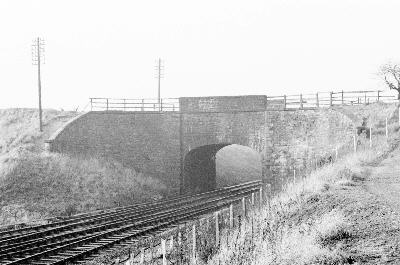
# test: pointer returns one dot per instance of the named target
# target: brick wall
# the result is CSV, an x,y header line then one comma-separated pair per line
x,y
156,143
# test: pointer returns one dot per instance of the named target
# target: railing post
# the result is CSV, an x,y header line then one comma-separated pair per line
x,y
317,100
161,105
91,104
342,98
331,99
378,95
124,104
142,104
365,98
107,104
261,197
284,102
301,101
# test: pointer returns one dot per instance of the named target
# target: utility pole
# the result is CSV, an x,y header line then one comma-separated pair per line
x,y
38,59
159,74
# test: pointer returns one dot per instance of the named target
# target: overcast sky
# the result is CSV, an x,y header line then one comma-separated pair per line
x,y
219,47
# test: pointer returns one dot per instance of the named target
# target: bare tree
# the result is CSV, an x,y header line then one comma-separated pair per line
x,y
391,74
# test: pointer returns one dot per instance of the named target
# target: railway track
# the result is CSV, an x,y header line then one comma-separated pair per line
x,y
79,238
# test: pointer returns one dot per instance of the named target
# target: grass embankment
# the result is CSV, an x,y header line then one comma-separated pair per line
x,y
329,217
35,184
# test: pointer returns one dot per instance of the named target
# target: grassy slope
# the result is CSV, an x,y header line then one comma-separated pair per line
x,y
35,184
330,217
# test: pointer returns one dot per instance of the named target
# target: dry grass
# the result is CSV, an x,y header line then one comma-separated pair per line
x,y
36,185
298,227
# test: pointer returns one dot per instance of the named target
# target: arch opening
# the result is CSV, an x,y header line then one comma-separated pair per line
x,y
217,165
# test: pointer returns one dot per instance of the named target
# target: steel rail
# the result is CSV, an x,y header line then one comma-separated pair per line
x,y
105,231
27,241
101,213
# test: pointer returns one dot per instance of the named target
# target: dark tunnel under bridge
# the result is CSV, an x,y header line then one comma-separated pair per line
x,y
205,170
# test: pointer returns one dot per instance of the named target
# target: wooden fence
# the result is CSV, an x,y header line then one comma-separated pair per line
x,y
329,99
285,102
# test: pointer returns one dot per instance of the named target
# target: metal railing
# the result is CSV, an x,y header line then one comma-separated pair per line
x,y
125,104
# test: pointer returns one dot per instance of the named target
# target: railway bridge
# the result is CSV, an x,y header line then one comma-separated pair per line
x,y
178,141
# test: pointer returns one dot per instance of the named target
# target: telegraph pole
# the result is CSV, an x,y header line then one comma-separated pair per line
x,y
37,56
159,75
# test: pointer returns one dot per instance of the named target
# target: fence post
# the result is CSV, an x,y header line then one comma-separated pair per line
x,y
142,104
244,206
194,243
141,256
261,197
164,252
284,102
171,242
152,249
231,216
107,104
317,100
330,99
342,98
124,104
336,153
378,95
370,137
294,175
365,98
217,228
161,104
179,237
301,101
386,130
252,199
91,104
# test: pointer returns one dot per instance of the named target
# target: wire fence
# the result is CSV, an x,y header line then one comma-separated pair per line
x,y
204,237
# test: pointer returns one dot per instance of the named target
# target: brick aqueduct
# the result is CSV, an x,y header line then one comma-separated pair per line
x,y
181,146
